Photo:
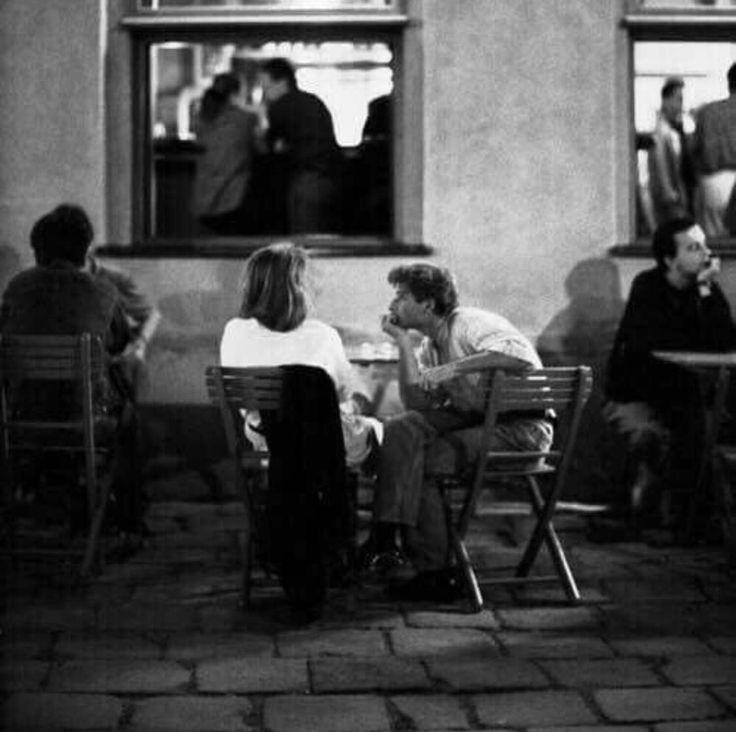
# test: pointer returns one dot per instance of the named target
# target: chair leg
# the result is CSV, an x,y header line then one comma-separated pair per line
x,y
460,552
92,553
247,548
246,558
544,531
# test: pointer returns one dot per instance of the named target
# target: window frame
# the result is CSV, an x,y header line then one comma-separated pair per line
x,y
151,27
666,24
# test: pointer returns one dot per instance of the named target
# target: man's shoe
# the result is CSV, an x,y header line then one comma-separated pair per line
x,y
382,562
434,586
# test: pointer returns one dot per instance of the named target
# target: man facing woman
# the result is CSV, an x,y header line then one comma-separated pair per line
x,y
273,329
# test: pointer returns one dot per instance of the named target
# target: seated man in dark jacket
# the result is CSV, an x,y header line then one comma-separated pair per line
x,y
659,406
56,297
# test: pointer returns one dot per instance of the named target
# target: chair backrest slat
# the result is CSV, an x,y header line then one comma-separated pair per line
x,y
550,388
50,358
246,388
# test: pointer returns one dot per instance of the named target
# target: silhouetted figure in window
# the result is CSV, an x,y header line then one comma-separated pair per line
x,y
669,157
714,147
303,149
373,172
227,133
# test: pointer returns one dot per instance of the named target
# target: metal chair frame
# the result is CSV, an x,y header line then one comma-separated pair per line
x,y
564,390
74,362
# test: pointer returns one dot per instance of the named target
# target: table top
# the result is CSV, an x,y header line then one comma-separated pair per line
x,y
373,353
698,358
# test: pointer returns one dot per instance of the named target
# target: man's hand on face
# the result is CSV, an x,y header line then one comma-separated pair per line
x,y
708,274
390,326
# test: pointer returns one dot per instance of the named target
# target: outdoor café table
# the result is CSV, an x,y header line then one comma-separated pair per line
x,y
712,365
380,361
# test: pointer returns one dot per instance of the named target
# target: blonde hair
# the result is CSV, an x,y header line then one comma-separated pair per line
x,y
274,290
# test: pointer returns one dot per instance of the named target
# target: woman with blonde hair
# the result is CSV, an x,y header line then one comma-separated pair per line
x,y
273,329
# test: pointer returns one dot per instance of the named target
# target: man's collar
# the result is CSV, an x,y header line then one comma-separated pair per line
x,y
442,334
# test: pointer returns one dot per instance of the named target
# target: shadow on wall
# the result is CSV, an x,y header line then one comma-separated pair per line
x,y
9,265
583,333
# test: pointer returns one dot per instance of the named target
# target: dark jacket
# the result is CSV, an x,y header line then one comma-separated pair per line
x,y
661,317
307,500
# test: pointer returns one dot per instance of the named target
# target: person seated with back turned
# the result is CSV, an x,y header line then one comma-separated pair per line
x,y
656,405
272,329
442,429
57,297
141,316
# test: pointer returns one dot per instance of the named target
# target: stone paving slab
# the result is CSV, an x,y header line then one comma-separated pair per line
x,y
221,714
727,694
717,620
475,674
652,705
724,644
367,674
101,646
699,670
25,644
349,713
533,708
433,712
194,647
466,642
248,676
613,672
485,620
659,647
637,590
57,616
724,725
550,618
368,615
22,674
147,617
62,711
328,642
591,728
548,645
651,619
122,677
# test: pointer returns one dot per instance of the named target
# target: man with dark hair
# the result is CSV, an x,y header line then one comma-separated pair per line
x,y
301,139
656,405
57,297
441,431
669,161
714,149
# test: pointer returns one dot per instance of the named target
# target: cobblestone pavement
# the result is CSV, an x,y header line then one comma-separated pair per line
x,y
159,643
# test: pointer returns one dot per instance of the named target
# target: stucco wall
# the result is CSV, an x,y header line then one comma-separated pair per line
x,y
520,120
51,125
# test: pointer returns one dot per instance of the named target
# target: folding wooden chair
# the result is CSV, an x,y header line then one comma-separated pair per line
x,y
48,386
264,389
564,390
233,390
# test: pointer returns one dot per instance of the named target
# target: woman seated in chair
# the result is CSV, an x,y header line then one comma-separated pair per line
x,y
272,329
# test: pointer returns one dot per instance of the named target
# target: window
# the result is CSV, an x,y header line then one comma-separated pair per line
x,y
681,53
351,65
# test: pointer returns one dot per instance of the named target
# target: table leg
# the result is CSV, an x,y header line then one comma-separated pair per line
x,y
705,468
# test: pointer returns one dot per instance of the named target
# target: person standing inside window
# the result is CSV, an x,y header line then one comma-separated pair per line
x,y
228,135
301,139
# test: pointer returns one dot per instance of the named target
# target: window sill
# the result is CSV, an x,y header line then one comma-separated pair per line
x,y
225,248
725,248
